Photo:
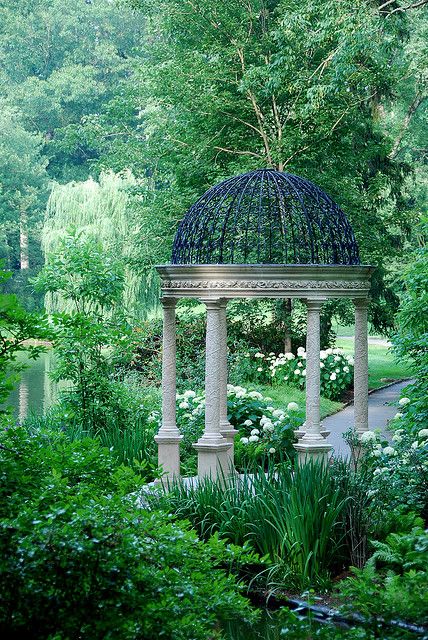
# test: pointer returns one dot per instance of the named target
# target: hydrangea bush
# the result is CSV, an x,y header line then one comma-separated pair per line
x,y
399,467
337,369
264,431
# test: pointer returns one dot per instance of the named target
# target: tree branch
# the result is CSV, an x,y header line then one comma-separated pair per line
x,y
414,106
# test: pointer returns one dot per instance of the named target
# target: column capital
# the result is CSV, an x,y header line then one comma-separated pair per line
x,y
361,303
168,303
315,303
212,303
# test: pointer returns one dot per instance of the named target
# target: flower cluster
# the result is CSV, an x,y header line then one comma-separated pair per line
x,y
399,467
337,369
263,429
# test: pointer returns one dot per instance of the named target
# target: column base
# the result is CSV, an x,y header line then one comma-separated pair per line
x,y
228,432
315,449
299,433
169,455
213,458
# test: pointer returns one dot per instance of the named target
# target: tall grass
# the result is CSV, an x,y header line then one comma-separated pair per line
x,y
295,518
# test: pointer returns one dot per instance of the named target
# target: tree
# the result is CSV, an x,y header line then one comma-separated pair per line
x,y
229,86
23,185
101,210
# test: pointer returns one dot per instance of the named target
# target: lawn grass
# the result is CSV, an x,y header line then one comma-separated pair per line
x,y
283,394
383,367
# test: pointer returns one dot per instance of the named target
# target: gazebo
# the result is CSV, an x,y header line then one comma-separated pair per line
x,y
258,235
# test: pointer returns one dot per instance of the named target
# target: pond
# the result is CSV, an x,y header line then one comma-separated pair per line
x,y
35,391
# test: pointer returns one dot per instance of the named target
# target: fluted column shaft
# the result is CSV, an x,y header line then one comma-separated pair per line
x,y
212,447
226,429
361,367
313,345
168,439
312,443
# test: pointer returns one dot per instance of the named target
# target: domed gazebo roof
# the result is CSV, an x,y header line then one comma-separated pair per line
x,y
265,217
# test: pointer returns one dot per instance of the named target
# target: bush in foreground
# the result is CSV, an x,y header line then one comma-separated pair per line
x,y
79,559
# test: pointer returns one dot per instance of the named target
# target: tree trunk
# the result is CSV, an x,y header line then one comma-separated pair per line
x,y
286,304
23,241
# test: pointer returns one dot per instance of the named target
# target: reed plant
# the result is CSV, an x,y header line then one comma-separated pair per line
x,y
294,517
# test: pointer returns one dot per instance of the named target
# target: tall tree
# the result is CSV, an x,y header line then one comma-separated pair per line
x,y
226,86
23,185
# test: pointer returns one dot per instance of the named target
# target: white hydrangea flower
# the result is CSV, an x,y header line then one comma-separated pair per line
x,y
253,438
184,405
255,432
248,423
397,416
297,372
300,351
333,376
322,365
272,450
368,436
259,368
323,355
189,394
389,451
350,360
277,413
397,438
292,406
337,370
376,453
346,369
336,359
244,440
304,372
268,428
403,401
285,378
423,433
329,351
256,395
414,445
289,356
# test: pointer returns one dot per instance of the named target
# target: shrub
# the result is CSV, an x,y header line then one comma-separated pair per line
x,y
336,370
394,583
399,469
79,559
264,431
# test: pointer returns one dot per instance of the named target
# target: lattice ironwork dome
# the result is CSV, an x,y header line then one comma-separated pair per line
x,y
265,217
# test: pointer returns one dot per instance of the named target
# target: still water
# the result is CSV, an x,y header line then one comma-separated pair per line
x,y
35,392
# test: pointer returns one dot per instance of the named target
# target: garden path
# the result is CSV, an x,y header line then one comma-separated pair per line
x,y
383,405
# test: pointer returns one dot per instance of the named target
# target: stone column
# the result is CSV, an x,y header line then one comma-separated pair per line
x,y
226,429
361,367
313,444
168,439
212,448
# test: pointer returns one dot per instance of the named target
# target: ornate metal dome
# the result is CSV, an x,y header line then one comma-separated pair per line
x,y
265,217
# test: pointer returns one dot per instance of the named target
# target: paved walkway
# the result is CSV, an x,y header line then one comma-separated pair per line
x,y
383,405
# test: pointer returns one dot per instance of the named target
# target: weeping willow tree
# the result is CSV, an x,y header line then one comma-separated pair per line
x,y
102,209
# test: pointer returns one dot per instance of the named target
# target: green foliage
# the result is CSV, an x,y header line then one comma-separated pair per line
x,y
92,340
336,370
100,209
399,588
81,558
293,518
17,326
411,338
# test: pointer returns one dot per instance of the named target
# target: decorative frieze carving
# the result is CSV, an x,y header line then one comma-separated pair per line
x,y
267,284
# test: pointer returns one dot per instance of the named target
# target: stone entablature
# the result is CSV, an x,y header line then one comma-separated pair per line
x,y
265,281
